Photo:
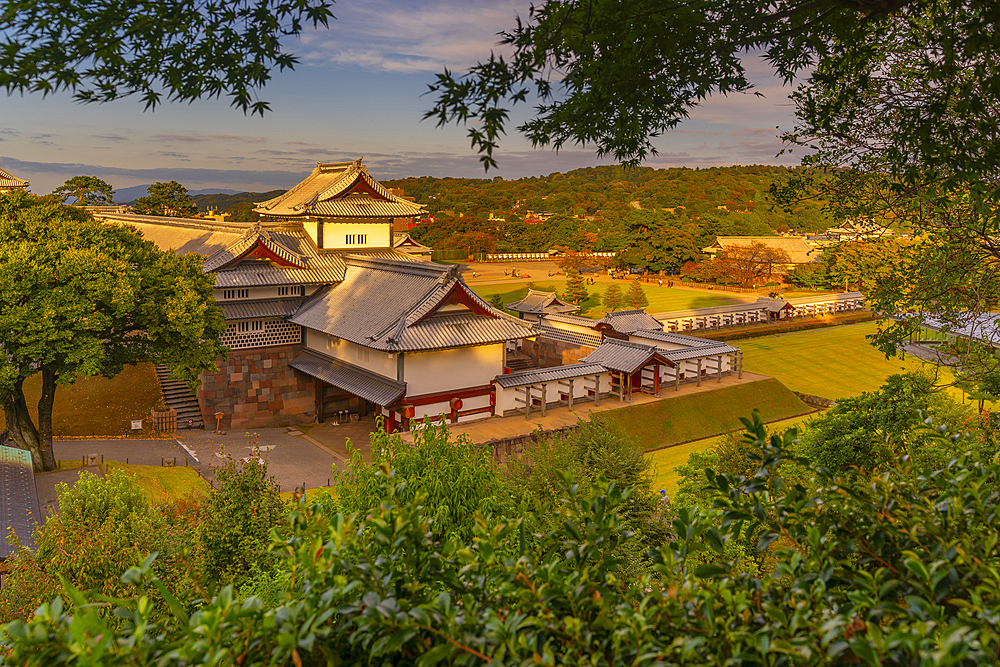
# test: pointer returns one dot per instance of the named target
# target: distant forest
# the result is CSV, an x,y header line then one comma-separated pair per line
x,y
656,218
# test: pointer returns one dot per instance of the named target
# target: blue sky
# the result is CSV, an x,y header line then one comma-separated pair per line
x,y
357,92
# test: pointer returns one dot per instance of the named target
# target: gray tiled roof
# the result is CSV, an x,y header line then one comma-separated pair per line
x,y
245,310
365,207
182,235
270,240
391,305
403,241
327,192
627,321
698,352
327,267
538,375
541,302
370,386
572,319
573,337
980,326
667,337
622,355
18,500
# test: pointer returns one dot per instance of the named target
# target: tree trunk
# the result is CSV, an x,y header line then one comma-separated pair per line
x,y
45,404
23,430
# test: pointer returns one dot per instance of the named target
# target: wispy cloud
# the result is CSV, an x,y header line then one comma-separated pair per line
x,y
389,36
198,138
109,137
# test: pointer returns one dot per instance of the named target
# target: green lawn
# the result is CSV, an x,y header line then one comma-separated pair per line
x,y
665,461
660,299
703,414
835,362
162,484
99,406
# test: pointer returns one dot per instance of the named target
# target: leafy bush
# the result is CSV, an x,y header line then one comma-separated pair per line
x,y
455,477
239,516
104,525
899,569
871,430
594,451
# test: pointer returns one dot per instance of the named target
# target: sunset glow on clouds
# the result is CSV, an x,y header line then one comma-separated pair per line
x,y
358,91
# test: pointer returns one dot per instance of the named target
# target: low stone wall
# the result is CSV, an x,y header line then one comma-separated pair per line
x,y
816,401
549,352
504,448
256,388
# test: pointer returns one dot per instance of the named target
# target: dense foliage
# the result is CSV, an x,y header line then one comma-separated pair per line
x,y
897,568
80,298
87,190
165,49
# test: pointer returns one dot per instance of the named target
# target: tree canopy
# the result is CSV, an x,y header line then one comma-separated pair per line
x,y
159,50
88,190
79,298
616,74
169,199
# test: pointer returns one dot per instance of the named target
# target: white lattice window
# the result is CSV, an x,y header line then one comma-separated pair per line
x,y
283,291
356,239
235,294
260,333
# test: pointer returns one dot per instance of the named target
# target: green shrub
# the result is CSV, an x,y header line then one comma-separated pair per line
x,y
896,570
871,430
239,515
103,526
455,477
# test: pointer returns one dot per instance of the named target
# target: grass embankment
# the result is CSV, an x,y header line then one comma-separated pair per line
x,y
666,461
708,413
99,406
162,484
661,299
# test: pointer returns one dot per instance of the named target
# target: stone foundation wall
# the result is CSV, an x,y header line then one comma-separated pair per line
x,y
550,353
256,387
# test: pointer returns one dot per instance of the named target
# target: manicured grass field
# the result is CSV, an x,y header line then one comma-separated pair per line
x,y
161,484
700,415
661,299
665,461
99,406
833,363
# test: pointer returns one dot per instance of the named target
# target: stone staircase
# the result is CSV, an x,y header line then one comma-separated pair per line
x,y
179,397
520,362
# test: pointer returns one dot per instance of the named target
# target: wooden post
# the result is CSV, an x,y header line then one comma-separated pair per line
x,y
571,393
527,401
677,375
656,378
739,363
597,391
543,400
699,371
720,368
318,389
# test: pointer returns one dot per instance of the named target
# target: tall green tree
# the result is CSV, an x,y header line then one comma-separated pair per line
x,y
613,297
576,288
159,49
79,298
88,190
169,199
636,296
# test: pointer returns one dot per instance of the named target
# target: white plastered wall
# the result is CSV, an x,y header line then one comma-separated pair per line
x,y
507,398
378,233
383,363
442,371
